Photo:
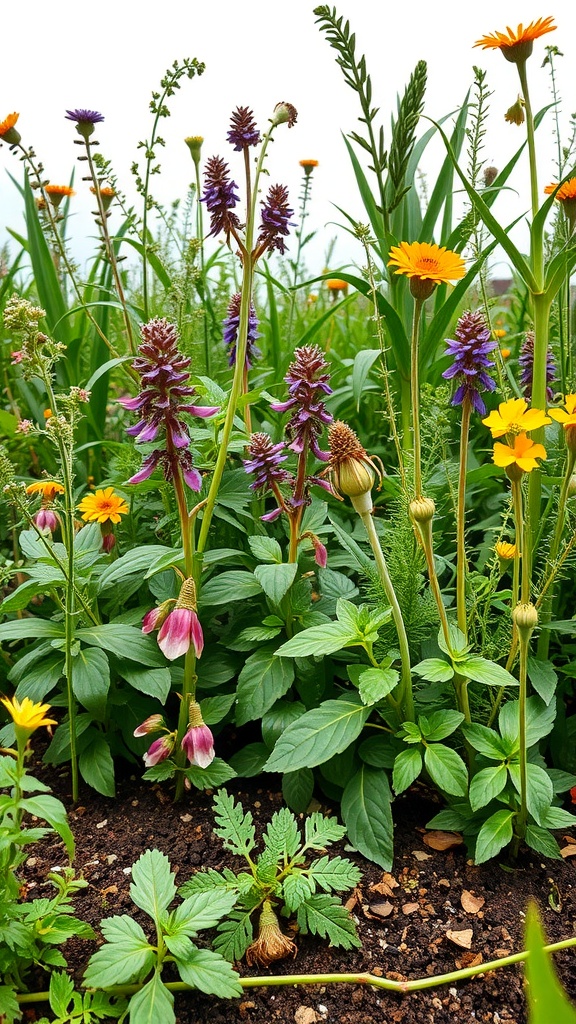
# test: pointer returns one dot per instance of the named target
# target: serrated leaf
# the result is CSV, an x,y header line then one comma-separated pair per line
x,y
208,880
281,837
234,827
440,724
61,989
541,840
557,817
325,916
263,680
160,772
483,671
486,785
320,831
126,956
319,641
202,910
153,887
235,585
153,1004
368,817
407,768
296,888
446,768
539,720
9,1005
234,935
265,549
334,874
539,791
494,835
486,741
376,683
211,973
319,734
276,579
297,789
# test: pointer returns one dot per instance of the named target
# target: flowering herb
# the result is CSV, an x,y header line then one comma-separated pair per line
x,y
243,131
307,386
275,221
230,331
469,350
517,46
220,197
526,362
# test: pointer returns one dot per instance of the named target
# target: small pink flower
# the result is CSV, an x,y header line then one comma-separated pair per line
x,y
198,745
320,553
151,724
156,616
46,520
159,750
24,426
180,629
108,542
17,357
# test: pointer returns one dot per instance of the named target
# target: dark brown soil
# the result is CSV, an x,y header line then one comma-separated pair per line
x,y
425,890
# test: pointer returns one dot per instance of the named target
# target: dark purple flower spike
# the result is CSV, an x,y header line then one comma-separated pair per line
x,y
469,350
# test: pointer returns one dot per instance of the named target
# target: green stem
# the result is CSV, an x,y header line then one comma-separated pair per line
x,y
415,397
546,613
461,521
406,699
541,328
522,817
190,677
200,236
531,142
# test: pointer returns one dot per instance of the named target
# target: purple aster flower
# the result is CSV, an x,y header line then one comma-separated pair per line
x,y
82,116
470,350
307,385
220,197
526,361
165,395
276,221
243,131
230,327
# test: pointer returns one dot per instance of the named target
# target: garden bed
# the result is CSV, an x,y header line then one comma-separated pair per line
x,y
403,917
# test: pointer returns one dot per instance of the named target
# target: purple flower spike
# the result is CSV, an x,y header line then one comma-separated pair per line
x,y
526,361
165,396
220,198
82,116
470,350
264,462
307,385
230,331
243,131
276,221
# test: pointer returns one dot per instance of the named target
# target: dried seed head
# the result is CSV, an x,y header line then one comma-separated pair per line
x,y
271,943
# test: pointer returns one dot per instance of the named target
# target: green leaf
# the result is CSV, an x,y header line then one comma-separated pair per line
x,y
9,1005
153,1004
216,774
486,785
281,837
234,585
250,760
435,670
49,809
439,724
495,834
263,680
296,888
297,789
125,642
483,671
97,766
211,973
235,935
379,751
61,989
319,734
91,680
541,840
539,720
407,768
319,640
325,916
375,683
363,363
539,793
235,827
276,579
543,678
486,741
557,817
134,562
278,718
125,957
39,679
215,709
547,1000
209,880
265,549
154,682
446,768
320,831
153,887
21,629
334,874
201,910
368,817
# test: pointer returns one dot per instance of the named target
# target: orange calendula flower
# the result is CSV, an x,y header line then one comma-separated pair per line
x,y
27,715
8,132
103,507
59,190
566,192
522,455
426,265
514,417
516,46
47,488
505,353
334,284
308,166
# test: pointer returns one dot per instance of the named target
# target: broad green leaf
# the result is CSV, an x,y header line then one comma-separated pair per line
x,y
376,683
276,579
126,956
211,973
263,680
136,561
50,809
153,887
483,671
379,751
21,629
216,774
407,768
61,989
214,709
547,999
154,682
446,768
319,734
234,585
265,549
91,680
368,817
543,677
9,1005
298,788
202,910
125,642
319,641
97,766
539,720
39,679
495,833
486,785
434,670
440,724
541,840
250,760
557,817
539,793
278,718
487,741
153,1004
363,363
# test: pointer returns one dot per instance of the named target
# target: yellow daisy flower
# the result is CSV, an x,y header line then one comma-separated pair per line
x,y
514,417
567,417
103,507
523,454
506,551
27,715
426,265
47,488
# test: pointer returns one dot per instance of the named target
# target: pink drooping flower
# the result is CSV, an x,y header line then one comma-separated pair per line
x,y
151,724
156,616
181,629
159,750
198,741
46,520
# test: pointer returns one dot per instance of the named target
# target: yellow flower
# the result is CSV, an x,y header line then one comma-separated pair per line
x,y
7,130
515,114
523,455
47,488
425,262
103,507
27,715
566,192
308,163
498,333
505,353
514,417
517,46
567,415
48,413
59,190
506,551
334,284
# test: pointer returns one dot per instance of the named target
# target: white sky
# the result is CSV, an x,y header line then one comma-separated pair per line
x,y
109,57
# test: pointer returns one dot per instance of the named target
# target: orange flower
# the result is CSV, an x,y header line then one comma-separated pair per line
x,y
103,506
426,265
7,130
59,190
566,192
514,417
567,417
334,284
47,488
308,166
505,352
517,46
523,455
